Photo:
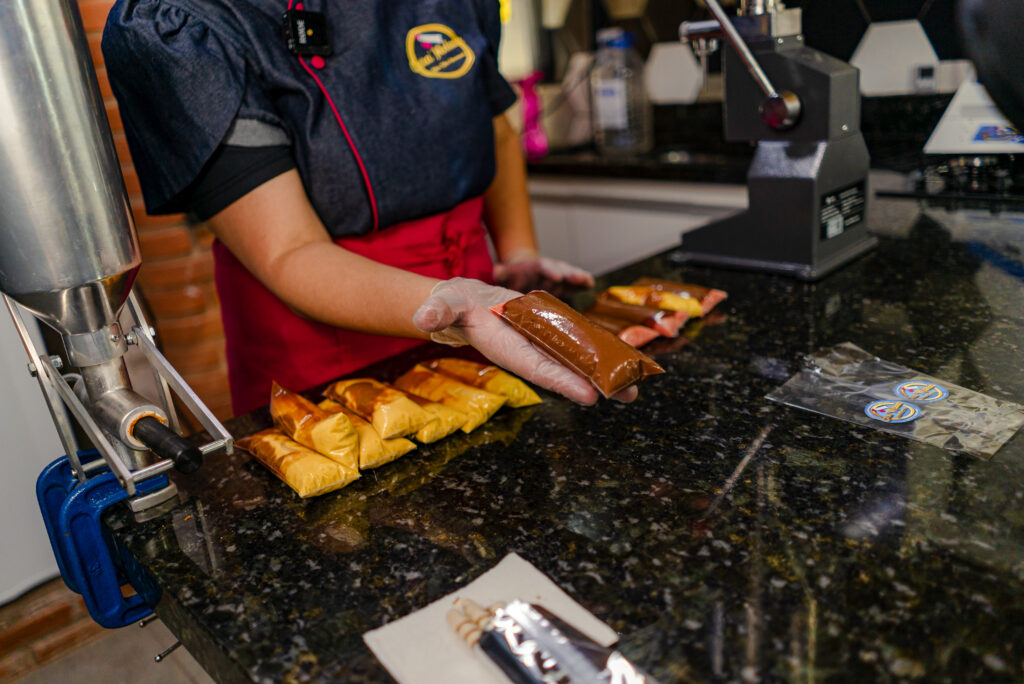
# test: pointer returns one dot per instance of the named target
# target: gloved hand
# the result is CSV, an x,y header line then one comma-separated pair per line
x,y
457,312
526,270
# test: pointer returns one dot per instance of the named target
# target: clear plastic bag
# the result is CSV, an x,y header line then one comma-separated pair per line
x,y
848,383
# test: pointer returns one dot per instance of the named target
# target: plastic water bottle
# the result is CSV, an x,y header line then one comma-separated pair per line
x,y
621,111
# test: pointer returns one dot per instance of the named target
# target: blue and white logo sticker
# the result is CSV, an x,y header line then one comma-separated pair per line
x,y
921,391
890,411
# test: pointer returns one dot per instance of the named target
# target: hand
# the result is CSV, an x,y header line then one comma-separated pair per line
x,y
457,312
528,270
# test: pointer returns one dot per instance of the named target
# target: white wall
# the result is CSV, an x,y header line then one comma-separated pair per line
x,y
602,224
28,441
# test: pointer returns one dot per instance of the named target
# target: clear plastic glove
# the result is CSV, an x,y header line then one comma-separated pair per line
x,y
527,270
457,312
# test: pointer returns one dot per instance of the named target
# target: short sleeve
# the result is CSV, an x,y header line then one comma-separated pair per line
x,y
233,172
500,95
179,84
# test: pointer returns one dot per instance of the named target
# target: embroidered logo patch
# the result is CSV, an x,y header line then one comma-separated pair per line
x,y
919,390
435,51
892,411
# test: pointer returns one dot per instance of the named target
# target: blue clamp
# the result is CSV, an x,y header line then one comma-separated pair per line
x,y
91,561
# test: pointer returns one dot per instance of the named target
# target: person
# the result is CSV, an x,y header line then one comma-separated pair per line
x,y
345,158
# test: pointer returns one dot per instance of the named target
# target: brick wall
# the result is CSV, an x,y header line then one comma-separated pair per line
x,y
176,279
43,625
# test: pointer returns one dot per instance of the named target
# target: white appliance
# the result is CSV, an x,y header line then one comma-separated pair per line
x,y
29,443
972,124
519,48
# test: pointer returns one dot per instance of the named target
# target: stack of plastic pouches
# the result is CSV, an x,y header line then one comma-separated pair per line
x,y
651,308
847,382
364,423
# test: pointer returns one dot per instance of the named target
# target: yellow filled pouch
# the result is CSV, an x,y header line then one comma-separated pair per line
x,y
332,435
390,412
477,404
301,468
446,420
659,299
487,377
374,450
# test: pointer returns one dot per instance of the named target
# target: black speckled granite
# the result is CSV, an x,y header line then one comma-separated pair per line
x,y
829,552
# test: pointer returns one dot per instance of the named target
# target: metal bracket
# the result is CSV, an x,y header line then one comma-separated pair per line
x,y
168,374
59,395
85,419
142,330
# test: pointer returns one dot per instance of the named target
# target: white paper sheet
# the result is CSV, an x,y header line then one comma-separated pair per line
x,y
421,648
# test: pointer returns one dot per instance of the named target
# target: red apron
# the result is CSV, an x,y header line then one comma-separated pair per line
x,y
266,340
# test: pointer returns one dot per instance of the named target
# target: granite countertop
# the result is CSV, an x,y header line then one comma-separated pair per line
x,y
724,537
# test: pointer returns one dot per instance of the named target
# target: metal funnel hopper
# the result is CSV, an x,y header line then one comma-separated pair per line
x,y
69,252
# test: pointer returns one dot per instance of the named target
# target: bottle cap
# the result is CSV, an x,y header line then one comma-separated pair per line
x,y
616,38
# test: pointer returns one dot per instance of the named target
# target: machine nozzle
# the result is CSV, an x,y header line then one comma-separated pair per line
x,y
166,443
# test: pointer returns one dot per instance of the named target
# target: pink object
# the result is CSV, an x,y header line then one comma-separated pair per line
x,y
535,142
668,323
638,335
299,6
317,61
712,299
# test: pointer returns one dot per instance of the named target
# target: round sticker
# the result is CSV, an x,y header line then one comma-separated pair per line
x,y
921,390
889,411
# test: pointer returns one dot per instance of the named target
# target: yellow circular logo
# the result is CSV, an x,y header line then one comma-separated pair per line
x,y
435,51
892,411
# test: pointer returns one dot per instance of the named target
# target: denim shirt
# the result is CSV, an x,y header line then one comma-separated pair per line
x,y
415,82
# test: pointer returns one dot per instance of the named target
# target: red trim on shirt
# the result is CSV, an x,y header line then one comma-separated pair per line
x,y
348,138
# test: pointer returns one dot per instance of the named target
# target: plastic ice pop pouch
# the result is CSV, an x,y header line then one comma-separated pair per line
x,y
848,383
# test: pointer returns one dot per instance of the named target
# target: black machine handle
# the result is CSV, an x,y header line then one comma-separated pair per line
x,y
166,443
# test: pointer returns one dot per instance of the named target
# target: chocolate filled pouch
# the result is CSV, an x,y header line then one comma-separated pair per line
x,y
709,297
568,337
301,468
487,377
666,323
477,404
331,435
390,412
848,383
446,420
374,450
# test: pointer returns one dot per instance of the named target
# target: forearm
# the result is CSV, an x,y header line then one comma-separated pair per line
x,y
507,202
277,235
332,285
